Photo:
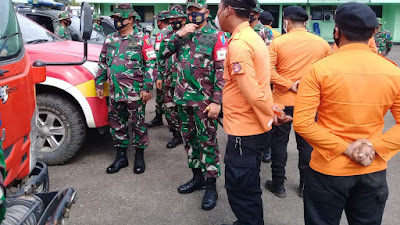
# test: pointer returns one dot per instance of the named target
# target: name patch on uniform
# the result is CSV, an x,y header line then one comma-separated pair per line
x,y
132,48
221,54
151,54
157,46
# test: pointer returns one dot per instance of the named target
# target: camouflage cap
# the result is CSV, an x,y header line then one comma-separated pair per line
x,y
162,15
258,8
196,3
137,16
176,11
63,15
124,10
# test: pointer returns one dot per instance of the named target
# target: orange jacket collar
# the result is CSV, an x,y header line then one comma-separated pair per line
x,y
297,29
354,46
239,28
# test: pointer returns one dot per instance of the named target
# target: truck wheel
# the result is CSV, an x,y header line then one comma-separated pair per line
x,y
62,129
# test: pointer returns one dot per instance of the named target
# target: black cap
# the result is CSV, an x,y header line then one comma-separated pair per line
x,y
267,16
355,17
295,13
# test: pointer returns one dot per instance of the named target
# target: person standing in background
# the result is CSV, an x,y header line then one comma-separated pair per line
x,y
291,57
267,20
383,39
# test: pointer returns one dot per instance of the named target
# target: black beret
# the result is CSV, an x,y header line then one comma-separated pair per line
x,y
295,13
266,16
355,17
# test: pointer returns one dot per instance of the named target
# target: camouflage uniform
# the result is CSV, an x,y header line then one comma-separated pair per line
x,y
201,57
128,64
96,27
168,72
61,31
383,40
2,178
265,33
160,92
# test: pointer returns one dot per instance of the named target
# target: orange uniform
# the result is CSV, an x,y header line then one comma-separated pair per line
x,y
371,44
247,96
351,100
291,56
274,32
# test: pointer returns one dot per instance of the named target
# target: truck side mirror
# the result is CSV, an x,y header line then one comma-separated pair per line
x,y
38,71
86,21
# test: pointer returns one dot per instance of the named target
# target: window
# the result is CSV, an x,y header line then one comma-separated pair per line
x,y
274,10
10,37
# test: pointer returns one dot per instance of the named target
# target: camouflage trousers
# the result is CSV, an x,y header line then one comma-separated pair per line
x,y
120,114
171,109
159,101
200,135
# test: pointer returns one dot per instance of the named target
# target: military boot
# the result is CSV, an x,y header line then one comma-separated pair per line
x,y
210,196
139,166
176,140
157,121
196,183
277,189
121,161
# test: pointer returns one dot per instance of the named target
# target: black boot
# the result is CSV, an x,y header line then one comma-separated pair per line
x,y
177,140
277,189
157,121
139,166
196,183
121,161
211,195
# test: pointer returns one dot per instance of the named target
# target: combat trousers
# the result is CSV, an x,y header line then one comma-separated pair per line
x,y
119,116
279,140
362,197
159,101
171,109
242,177
200,135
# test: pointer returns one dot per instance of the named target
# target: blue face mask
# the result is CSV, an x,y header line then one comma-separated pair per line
x,y
119,23
197,18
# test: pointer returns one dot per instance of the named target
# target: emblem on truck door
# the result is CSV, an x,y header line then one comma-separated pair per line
x,y
4,93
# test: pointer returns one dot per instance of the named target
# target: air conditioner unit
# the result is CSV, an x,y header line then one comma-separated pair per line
x,y
327,15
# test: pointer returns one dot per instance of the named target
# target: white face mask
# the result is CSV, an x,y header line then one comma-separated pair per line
x,y
216,21
285,26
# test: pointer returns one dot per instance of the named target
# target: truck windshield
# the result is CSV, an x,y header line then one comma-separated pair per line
x,y
10,37
33,33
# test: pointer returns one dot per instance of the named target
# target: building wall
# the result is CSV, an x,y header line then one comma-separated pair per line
x,y
390,14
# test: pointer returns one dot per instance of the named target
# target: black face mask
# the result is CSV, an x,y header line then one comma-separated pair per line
x,y
252,18
67,23
176,25
197,18
336,39
119,23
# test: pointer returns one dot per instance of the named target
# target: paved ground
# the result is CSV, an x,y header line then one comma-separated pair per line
x,y
151,198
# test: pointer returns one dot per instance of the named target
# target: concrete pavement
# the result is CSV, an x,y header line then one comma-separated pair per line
x,y
151,198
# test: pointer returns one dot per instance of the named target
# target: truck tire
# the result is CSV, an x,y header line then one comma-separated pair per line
x,y
62,129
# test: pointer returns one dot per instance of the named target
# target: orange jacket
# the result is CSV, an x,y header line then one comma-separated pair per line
x,y
247,96
371,44
291,55
352,90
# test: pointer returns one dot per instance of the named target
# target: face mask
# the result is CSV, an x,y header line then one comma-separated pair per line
x,y
68,23
252,18
119,23
216,21
197,18
285,26
176,25
336,39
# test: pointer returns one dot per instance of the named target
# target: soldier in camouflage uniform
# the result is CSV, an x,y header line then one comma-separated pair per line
x,y
128,62
65,21
168,72
97,24
162,23
264,32
201,51
383,39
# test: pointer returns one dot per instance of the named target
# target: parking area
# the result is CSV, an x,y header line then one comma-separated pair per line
x,y
152,198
